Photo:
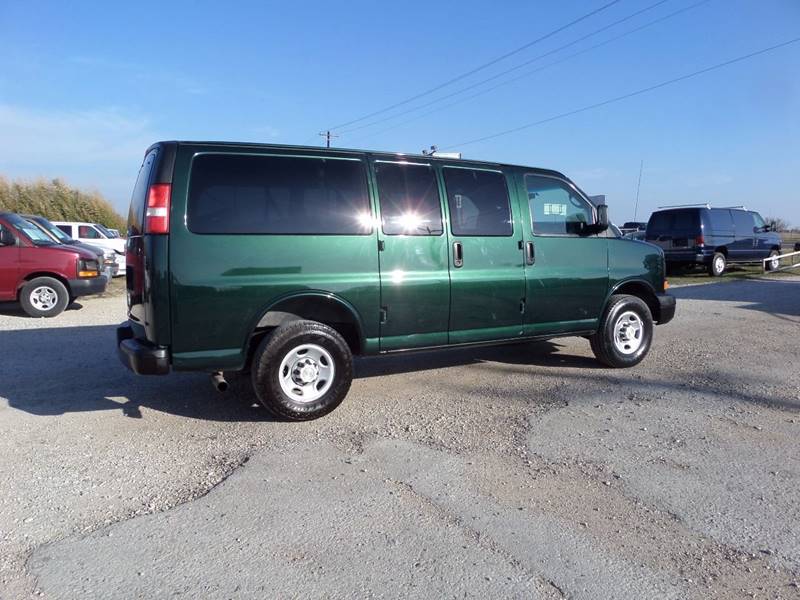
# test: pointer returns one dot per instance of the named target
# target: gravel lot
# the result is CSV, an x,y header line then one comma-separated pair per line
x,y
520,471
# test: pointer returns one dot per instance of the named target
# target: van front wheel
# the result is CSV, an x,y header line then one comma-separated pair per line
x,y
302,371
44,297
625,333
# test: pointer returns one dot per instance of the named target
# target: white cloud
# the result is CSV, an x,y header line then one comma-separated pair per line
x,y
97,148
31,137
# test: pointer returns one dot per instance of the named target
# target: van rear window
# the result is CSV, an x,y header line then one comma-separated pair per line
x,y
674,220
241,194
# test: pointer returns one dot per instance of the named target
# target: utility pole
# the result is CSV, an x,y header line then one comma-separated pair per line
x,y
638,186
328,135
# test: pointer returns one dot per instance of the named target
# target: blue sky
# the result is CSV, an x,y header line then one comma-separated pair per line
x,y
86,87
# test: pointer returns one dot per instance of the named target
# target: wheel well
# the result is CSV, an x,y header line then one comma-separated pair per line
x,y
313,308
31,276
644,293
722,250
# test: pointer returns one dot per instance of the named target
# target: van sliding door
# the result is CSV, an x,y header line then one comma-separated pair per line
x,y
415,284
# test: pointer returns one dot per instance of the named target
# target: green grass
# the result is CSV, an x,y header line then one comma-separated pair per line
x,y
700,275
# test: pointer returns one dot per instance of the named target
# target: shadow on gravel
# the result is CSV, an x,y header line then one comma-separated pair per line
x,y
770,296
54,371
13,309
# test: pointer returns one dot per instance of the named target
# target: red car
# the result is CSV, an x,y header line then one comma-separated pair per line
x,y
44,276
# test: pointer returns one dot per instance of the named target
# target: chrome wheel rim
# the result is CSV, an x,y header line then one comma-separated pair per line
x,y
774,264
719,264
306,373
43,298
628,332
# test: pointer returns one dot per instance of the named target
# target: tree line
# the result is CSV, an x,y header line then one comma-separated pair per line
x,y
58,201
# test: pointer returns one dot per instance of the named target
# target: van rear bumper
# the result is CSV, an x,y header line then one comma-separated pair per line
x,y
666,306
689,256
140,356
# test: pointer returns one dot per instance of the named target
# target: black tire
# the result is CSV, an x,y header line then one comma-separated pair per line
x,y
717,265
44,297
603,342
266,366
772,254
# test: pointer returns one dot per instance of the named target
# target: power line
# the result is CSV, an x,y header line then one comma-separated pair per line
x,y
626,96
507,71
538,69
480,67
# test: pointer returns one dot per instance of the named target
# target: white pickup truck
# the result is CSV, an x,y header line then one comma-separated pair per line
x,y
92,233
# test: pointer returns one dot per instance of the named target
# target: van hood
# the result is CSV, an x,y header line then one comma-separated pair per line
x,y
81,252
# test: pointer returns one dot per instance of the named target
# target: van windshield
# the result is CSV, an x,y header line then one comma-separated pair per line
x,y
666,221
105,231
52,230
33,232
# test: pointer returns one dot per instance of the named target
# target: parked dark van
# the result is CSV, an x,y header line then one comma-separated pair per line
x,y
286,261
713,237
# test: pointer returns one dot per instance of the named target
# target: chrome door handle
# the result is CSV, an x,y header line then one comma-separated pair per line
x,y
530,253
458,255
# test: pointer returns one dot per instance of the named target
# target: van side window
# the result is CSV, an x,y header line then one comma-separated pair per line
x,y
282,195
66,229
721,219
478,202
760,225
409,199
743,222
86,232
3,229
556,208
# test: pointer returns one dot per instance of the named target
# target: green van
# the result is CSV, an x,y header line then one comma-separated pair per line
x,y
286,261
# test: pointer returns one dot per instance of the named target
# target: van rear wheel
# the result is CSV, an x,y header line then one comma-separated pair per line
x,y
625,333
717,265
302,371
44,297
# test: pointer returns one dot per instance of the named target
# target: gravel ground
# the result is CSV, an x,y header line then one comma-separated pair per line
x,y
518,471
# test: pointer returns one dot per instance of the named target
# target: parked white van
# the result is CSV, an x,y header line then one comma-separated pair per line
x,y
92,233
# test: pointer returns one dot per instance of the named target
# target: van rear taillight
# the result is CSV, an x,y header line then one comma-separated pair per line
x,y
157,213
699,241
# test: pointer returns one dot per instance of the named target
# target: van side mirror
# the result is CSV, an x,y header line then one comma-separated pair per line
x,y
602,216
600,225
7,238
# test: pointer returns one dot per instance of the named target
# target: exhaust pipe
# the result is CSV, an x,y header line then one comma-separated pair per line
x,y
219,382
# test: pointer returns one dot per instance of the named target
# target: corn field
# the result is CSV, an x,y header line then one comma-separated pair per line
x,y
57,201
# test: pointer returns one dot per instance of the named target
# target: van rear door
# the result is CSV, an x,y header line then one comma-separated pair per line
x,y
135,250
674,230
